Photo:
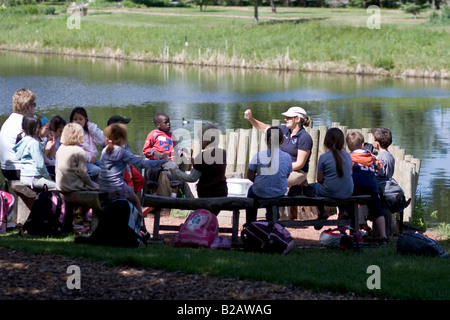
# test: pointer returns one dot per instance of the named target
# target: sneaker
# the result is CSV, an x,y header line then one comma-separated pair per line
x,y
408,201
322,216
146,211
383,242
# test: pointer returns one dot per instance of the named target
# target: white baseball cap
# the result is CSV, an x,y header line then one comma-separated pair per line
x,y
296,112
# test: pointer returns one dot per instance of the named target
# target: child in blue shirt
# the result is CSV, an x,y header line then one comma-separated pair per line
x,y
269,171
334,171
365,166
30,152
113,162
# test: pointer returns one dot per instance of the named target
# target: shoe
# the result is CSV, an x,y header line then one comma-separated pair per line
x,y
322,216
146,211
408,201
383,242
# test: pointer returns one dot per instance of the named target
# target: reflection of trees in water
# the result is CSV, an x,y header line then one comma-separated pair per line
x,y
440,196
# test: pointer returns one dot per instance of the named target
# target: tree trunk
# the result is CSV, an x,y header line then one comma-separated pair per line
x,y
256,12
274,8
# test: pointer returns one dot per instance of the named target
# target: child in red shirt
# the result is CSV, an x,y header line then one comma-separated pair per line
x,y
160,145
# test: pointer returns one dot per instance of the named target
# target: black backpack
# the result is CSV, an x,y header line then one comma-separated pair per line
x,y
417,243
393,195
48,216
121,224
266,236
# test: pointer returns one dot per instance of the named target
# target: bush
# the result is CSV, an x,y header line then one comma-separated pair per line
x,y
413,8
385,63
443,19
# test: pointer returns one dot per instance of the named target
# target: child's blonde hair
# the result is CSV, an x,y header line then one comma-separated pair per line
x,y
72,134
22,100
116,134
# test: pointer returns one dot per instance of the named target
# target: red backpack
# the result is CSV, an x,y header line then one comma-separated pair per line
x,y
341,237
199,230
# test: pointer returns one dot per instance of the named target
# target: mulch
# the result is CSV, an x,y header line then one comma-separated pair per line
x,y
46,277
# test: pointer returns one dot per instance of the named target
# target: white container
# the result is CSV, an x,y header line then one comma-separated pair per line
x,y
238,187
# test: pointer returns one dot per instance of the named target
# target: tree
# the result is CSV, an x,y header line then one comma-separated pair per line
x,y
413,8
202,4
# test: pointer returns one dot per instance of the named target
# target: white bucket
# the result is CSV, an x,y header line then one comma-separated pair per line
x,y
238,187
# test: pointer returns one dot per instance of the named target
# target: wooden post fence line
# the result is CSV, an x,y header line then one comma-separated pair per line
x,y
242,144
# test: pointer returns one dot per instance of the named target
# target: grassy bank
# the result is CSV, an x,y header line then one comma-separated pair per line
x,y
344,272
322,40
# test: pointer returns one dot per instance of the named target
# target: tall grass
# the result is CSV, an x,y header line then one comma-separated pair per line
x,y
208,40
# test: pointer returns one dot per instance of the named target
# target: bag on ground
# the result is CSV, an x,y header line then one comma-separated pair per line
x,y
6,206
48,215
417,243
200,229
393,195
121,224
266,236
341,237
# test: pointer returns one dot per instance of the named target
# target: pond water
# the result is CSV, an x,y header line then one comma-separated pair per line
x,y
417,111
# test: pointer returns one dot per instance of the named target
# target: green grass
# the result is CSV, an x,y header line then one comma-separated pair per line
x,y
344,272
339,41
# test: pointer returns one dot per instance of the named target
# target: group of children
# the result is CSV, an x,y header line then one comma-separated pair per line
x,y
339,174
64,156
360,172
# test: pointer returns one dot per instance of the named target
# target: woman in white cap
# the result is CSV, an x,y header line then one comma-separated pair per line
x,y
297,142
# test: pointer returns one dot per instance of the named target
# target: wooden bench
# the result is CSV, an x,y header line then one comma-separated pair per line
x,y
287,201
221,203
95,200
26,196
24,200
238,203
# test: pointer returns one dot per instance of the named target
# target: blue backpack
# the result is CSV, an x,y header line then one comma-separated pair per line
x,y
417,243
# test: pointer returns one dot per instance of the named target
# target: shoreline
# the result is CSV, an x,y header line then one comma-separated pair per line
x,y
442,75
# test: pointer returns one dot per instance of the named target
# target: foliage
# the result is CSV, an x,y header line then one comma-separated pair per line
x,y
413,8
202,4
442,19
29,9
14,3
419,215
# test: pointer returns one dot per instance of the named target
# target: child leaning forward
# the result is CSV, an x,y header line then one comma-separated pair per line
x,y
113,162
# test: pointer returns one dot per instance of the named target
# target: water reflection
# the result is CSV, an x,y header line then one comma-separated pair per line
x,y
417,111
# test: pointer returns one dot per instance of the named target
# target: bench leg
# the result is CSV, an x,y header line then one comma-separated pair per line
x,y
156,220
274,212
235,227
23,207
356,216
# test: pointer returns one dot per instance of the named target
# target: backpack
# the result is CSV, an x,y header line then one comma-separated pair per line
x,y
393,195
417,243
339,238
200,229
266,236
121,224
6,206
48,215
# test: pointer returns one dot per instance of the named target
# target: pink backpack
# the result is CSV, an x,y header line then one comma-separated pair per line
x,y
199,230
6,206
